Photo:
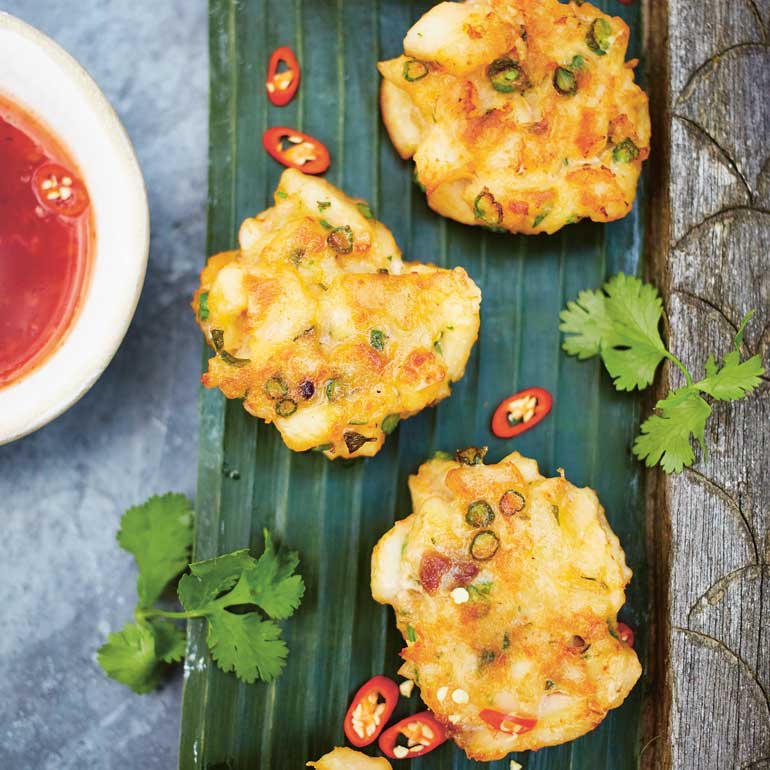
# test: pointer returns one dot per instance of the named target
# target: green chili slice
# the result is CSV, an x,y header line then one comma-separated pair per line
x,y
331,390
411,634
286,407
364,208
218,339
486,657
341,239
484,545
354,441
487,209
564,81
512,502
389,423
479,514
377,339
322,448
229,358
203,306
472,455
275,388
415,70
625,152
598,37
507,76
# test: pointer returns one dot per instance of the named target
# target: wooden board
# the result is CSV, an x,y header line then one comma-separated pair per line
x,y
334,513
712,233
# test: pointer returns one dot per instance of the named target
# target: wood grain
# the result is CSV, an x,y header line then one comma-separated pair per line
x,y
711,224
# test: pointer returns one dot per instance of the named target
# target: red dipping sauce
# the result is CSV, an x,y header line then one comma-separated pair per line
x,y
46,238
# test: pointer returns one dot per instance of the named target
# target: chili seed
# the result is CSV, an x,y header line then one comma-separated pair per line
x,y
480,514
512,502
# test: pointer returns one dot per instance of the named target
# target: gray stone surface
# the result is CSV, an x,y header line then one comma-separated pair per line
x,y
65,583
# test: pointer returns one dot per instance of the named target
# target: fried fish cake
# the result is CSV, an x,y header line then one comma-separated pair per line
x,y
322,329
347,759
521,115
506,586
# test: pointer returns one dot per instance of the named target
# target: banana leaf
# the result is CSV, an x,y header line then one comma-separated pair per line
x,y
334,513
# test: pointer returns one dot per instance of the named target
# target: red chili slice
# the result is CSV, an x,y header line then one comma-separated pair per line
x,y
59,190
626,634
296,150
281,86
508,723
370,710
421,731
520,412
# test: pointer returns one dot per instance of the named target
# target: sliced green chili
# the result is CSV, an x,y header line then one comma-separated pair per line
x,y
598,37
507,76
564,81
578,62
377,339
275,388
322,448
555,512
341,239
363,207
389,423
512,502
484,545
486,657
229,358
326,225
411,634
323,205
540,217
506,641
415,70
549,684
286,407
472,455
331,390
487,209
479,514
203,306
218,339
625,152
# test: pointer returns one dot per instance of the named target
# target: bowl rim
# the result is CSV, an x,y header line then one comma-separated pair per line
x,y
50,402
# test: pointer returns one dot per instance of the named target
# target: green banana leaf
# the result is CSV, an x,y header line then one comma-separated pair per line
x,y
334,513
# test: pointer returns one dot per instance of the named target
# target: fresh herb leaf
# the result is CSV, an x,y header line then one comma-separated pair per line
x,y
159,535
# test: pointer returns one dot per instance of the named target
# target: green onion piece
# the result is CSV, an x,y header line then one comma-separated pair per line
x,y
441,455
377,339
625,152
218,338
472,455
203,306
275,387
555,512
487,209
507,76
229,358
341,239
323,205
564,81
363,207
480,514
354,441
512,502
613,632
506,641
389,423
415,70
549,684
540,217
326,225
598,37
331,390
411,634
484,545
358,422
281,194
486,657
322,448
286,407
578,62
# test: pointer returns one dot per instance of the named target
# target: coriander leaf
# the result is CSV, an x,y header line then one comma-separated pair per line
x,y
129,657
247,645
734,380
170,642
587,323
159,535
666,438
210,578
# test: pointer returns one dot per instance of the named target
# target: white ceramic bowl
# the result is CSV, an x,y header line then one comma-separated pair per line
x,y
45,80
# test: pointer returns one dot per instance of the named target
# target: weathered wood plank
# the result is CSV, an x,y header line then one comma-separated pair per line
x,y
712,261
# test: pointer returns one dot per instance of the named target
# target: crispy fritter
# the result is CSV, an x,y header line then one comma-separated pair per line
x,y
322,329
506,587
347,759
520,115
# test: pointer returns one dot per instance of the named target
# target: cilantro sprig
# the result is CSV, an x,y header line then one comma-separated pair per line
x,y
239,597
620,322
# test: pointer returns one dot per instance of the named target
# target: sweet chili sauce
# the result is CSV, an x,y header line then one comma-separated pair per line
x,y
46,232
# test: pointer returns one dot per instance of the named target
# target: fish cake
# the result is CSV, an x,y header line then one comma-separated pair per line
x,y
321,328
506,587
520,115
347,759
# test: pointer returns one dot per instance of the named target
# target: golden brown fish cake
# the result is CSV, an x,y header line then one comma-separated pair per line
x,y
322,329
347,759
506,586
520,115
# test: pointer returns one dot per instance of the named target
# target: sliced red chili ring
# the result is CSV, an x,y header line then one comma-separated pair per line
x,y
296,150
520,412
508,723
59,190
370,710
626,634
421,731
281,86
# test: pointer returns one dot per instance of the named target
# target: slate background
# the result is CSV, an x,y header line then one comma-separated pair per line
x,y
64,583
